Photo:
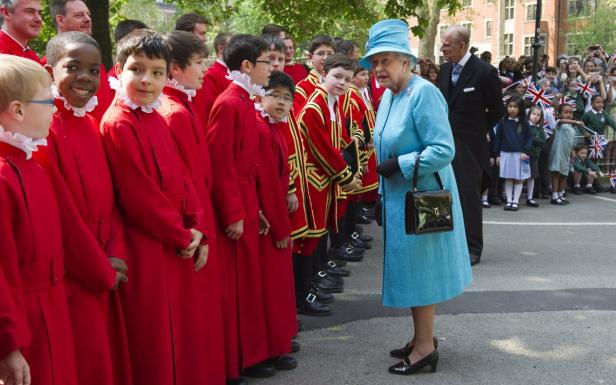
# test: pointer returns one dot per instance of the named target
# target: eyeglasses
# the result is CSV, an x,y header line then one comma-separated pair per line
x,y
49,102
264,62
323,53
280,98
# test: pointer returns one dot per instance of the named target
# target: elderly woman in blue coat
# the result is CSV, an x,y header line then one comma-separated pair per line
x,y
419,270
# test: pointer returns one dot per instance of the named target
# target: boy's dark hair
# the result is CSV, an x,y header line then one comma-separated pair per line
x,y
338,60
358,69
579,147
243,47
127,26
184,45
143,42
345,47
279,79
550,69
562,106
595,96
272,29
56,46
188,21
274,43
221,39
320,40
486,55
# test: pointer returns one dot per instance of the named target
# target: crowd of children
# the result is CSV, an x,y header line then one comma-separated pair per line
x,y
163,223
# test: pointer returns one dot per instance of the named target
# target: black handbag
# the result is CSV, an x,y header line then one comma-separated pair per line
x,y
427,211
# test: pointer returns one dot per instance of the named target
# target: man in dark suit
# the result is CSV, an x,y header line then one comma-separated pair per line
x,y
472,89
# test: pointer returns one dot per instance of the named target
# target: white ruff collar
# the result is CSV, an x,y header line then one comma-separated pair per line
x,y
264,114
77,111
172,83
22,142
116,85
243,80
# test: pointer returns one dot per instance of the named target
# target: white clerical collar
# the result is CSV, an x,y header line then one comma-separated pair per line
x,y
26,48
264,114
80,112
331,103
243,80
222,63
190,93
464,59
22,142
595,111
514,119
115,85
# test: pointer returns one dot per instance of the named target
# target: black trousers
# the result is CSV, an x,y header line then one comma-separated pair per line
x,y
469,176
305,268
545,178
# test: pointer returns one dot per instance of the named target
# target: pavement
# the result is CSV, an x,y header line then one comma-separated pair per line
x,y
541,309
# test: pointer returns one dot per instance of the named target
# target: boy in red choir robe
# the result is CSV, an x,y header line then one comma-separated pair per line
x,y
235,147
161,212
188,54
297,71
275,242
327,171
376,91
73,59
122,29
321,46
215,80
41,236
21,22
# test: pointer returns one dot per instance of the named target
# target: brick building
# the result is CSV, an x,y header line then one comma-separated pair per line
x,y
507,27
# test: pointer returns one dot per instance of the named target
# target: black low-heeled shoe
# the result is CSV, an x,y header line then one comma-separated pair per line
x,y
404,351
405,367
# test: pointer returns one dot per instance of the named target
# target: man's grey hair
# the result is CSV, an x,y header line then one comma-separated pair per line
x,y
9,5
460,34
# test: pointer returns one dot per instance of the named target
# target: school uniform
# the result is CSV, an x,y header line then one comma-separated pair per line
x,y
304,89
583,166
234,148
510,142
296,71
214,83
158,205
538,143
188,133
42,238
96,316
276,264
10,46
598,120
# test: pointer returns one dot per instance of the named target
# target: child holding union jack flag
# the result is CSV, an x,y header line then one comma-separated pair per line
x,y
597,119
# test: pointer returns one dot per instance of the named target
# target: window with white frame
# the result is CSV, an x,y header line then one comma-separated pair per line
x,y
581,7
488,28
468,26
528,44
508,44
467,3
531,12
509,9
442,30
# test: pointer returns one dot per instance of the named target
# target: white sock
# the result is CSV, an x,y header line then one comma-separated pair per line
x,y
555,195
576,185
484,196
560,194
509,190
517,190
530,188
589,185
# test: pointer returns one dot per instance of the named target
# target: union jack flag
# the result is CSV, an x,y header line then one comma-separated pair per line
x,y
538,96
613,179
547,129
585,89
597,145
570,101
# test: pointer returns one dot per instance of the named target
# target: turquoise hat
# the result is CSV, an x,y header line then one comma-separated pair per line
x,y
387,36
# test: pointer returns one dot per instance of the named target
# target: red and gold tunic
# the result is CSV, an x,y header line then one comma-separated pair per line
x,y
304,89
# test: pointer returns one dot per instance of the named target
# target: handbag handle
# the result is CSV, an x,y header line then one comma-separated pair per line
x,y
416,175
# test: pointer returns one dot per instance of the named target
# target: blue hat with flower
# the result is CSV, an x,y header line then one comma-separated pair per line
x,y
387,36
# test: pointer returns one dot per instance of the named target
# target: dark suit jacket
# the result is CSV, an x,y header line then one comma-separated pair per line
x,y
475,104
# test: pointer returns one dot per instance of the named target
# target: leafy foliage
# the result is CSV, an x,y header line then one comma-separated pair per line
x,y
403,9
47,32
592,29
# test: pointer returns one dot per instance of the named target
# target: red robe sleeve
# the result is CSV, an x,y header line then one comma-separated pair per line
x,y
226,193
271,199
138,195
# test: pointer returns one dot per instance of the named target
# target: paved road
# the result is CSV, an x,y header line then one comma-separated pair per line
x,y
541,309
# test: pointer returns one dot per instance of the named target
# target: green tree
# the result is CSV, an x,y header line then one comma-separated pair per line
x,y
592,28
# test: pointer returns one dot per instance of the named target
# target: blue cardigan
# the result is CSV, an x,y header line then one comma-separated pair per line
x,y
509,140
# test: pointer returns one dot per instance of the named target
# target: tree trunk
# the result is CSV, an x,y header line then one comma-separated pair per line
x,y
99,10
431,12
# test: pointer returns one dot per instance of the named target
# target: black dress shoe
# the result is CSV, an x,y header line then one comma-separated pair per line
x,y
261,370
338,272
363,237
329,284
364,220
532,203
475,259
322,296
236,381
404,351
295,347
405,367
347,254
358,245
310,306
283,362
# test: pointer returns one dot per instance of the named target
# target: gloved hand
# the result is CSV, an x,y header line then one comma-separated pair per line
x,y
388,167
378,210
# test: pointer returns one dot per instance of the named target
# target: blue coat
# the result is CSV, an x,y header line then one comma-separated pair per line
x,y
424,269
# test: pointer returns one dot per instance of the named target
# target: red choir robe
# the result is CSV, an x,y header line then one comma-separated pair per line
x,y
296,71
43,237
276,264
235,147
376,91
189,136
97,317
10,46
359,110
162,300
214,83
304,89
326,169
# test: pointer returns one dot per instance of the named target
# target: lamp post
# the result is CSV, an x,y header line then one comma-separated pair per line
x,y
537,43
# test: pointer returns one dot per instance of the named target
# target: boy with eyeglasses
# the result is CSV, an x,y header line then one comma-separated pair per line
x,y
321,46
